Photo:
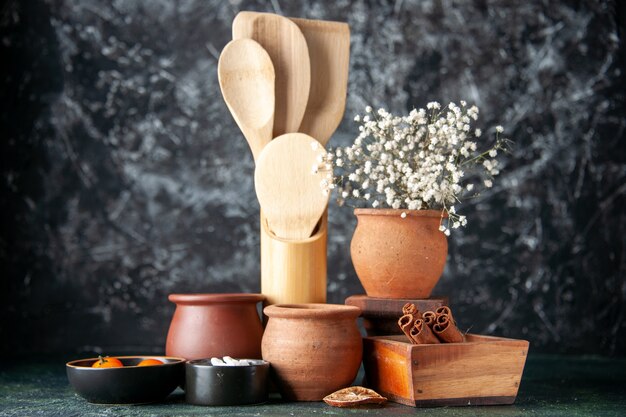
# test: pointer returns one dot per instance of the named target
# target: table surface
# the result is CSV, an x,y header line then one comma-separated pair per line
x,y
551,386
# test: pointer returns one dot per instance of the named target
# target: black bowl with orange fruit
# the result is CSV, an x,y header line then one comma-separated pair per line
x,y
126,379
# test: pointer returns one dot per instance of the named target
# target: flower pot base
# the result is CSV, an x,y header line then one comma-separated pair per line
x,y
380,315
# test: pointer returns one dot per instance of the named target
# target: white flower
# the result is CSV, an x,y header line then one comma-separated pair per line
x,y
433,105
499,129
415,161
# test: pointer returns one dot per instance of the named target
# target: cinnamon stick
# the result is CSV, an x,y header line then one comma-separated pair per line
x,y
445,311
406,324
429,318
422,334
410,308
446,330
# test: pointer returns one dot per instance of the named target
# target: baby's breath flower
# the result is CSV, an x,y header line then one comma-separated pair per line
x,y
425,160
433,105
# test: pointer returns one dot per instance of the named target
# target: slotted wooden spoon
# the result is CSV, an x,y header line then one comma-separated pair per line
x,y
329,52
246,77
287,48
289,193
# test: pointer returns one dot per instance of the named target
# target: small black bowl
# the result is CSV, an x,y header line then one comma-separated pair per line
x,y
129,384
226,385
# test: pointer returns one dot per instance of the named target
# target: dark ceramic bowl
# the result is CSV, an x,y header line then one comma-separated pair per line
x,y
130,384
226,385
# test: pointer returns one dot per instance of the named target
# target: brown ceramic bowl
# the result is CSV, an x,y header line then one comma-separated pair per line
x,y
314,349
129,384
215,325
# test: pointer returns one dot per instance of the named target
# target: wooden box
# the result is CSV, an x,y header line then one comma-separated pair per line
x,y
483,370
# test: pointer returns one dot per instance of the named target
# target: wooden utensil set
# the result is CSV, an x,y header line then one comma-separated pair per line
x,y
284,81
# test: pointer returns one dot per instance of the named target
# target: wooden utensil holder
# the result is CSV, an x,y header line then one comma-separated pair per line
x,y
294,271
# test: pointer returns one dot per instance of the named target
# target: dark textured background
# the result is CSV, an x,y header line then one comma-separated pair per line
x,y
124,178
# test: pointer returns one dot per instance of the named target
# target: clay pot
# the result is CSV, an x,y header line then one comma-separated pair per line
x,y
313,349
396,257
215,325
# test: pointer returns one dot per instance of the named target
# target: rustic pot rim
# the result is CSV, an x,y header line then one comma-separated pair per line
x,y
312,310
398,212
215,298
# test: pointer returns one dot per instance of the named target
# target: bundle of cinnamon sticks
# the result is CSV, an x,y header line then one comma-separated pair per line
x,y
430,327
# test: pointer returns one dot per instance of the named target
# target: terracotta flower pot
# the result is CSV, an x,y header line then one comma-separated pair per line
x,y
208,325
313,349
396,257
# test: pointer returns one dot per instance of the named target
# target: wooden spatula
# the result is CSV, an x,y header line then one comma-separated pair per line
x,y
288,190
246,77
286,46
329,51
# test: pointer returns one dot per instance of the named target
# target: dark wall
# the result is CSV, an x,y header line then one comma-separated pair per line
x,y
124,178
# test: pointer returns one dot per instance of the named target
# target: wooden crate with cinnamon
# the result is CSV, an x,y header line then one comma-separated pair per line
x,y
435,364
479,371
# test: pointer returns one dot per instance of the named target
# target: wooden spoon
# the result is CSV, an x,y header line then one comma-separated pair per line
x,y
329,52
290,194
246,77
287,48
